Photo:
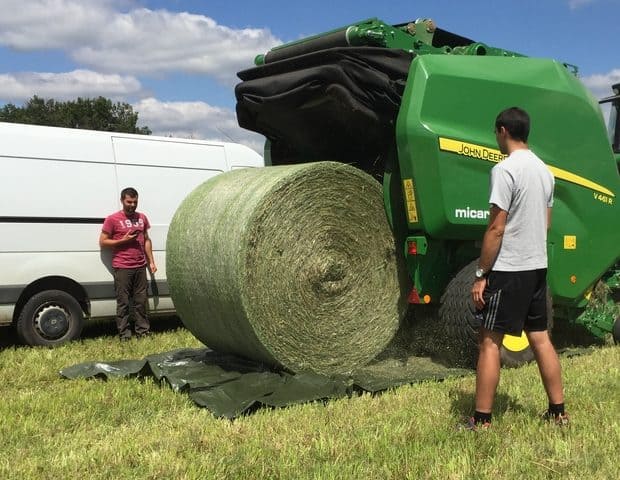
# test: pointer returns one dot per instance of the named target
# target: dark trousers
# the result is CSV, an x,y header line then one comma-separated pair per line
x,y
130,285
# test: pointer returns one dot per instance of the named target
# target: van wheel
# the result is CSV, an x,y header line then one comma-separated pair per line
x,y
50,318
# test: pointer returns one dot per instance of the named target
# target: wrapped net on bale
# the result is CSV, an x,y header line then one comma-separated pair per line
x,y
294,266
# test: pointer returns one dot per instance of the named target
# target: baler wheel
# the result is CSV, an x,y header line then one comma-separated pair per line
x,y
457,315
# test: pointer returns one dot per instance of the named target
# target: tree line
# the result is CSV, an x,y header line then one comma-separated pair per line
x,y
88,113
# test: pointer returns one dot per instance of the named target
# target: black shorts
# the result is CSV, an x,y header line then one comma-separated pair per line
x,y
515,301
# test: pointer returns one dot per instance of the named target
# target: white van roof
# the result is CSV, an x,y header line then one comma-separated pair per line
x,y
96,146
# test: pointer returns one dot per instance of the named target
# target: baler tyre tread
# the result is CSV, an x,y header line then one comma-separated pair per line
x,y
457,316
25,326
512,359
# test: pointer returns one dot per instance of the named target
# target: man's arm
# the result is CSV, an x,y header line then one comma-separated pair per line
x,y
148,249
492,239
548,218
491,243
105,239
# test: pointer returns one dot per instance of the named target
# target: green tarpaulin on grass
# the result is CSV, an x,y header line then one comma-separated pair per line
x,y
230,386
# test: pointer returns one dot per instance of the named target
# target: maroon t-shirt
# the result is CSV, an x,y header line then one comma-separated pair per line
x,y
130,254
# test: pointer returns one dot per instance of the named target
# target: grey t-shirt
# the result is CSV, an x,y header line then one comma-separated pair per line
x,y
522,185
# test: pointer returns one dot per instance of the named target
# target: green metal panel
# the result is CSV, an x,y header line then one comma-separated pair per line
x,y
420,36
457,98
436,182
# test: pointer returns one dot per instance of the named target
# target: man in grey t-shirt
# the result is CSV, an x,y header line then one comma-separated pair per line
x,y
510,287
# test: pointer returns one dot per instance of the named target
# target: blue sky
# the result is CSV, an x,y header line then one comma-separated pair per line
x,y
175,60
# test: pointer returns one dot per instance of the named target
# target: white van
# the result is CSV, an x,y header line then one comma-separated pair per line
x,y
56,187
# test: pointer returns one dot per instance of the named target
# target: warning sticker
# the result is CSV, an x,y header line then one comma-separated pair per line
x,y
412,209
570,242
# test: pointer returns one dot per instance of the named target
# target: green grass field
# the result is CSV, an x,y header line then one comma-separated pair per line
x,y
61,429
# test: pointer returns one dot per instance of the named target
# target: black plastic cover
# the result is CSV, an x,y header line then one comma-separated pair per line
x,y
230,386
335,104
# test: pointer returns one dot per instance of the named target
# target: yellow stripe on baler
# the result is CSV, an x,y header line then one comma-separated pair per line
x,y
493,155
576,179
471,150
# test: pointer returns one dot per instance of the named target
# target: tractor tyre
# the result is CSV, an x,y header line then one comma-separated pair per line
x,y
49,318
458,319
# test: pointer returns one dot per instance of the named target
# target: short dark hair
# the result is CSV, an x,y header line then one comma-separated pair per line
x,y
516,121
129,192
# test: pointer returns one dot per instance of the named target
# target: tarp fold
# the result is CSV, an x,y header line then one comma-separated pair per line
x,y
230,386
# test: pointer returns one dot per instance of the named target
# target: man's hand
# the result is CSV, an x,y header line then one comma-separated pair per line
x,y
105,239
477,290
129,236
152,267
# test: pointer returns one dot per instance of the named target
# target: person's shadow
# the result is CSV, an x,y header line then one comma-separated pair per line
x,y
105,254
463,403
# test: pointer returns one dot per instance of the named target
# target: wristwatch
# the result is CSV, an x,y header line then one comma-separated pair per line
x,y
480,273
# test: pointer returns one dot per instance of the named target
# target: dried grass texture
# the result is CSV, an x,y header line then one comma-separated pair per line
x,y
294,266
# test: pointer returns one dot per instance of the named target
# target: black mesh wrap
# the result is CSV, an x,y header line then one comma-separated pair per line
x,y
338,104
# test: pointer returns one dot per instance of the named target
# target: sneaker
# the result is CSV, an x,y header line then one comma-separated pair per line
x,y
561,420
473,426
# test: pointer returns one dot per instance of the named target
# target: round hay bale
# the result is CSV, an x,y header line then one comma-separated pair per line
x,y
294,266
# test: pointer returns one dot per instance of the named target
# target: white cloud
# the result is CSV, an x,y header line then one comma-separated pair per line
x,y
146,41
195,120
117,42
17,87
140,41
46,24
600,84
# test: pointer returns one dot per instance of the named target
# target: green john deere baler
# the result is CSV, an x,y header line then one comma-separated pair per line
x,y
414,105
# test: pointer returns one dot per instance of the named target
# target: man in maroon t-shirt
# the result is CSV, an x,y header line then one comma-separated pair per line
x,y
126,232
